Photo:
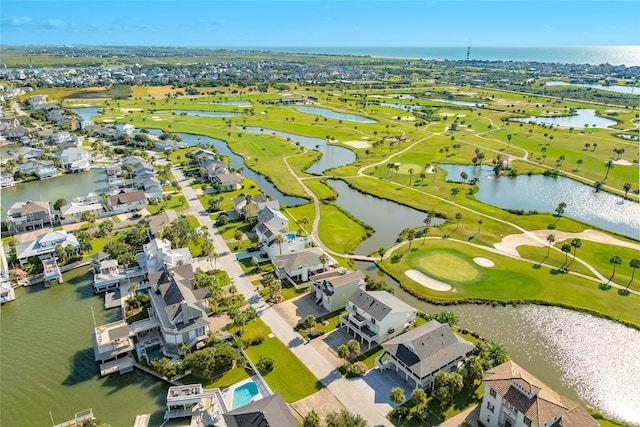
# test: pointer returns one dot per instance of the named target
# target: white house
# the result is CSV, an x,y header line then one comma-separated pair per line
x,y
126,129
127,201
228,182
44,246
273,217
112,348
158,253
298,266
6,179
418,355
249,206
334,287
515,398
376,316
75,159
38,102
80,205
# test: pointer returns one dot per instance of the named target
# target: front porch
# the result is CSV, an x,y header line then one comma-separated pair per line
x,y
360,328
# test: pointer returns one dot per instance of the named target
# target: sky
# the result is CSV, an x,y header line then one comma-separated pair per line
x,y
240,23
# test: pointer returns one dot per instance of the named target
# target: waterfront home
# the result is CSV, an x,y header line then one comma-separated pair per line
x,y
72,212
167,144
23,216
204,157
112,348
193,401
215,168
418,355
179,307
108,275
15,133
228,182
334,287
268,411
249,206
290,242
75,159
124,129
6,291
6,178
8,122
376,316
127,201
298,266
158,222
23,154
38,102
44,246
158,253
515,398
59,137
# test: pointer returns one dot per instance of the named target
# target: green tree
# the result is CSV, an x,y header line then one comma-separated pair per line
x,y
575,244
411,234
215,295
614,261
59,204
472,371
609,165
105,227
279,240
304,221
212,361
61,254
497,354
354,347
626,187
419,396
309,322
458,218
179,233
344,418
324,259
464,177
344,352
312,419
579,162
396,395
427,224
566,248
89,217
410,175
634,263
447,384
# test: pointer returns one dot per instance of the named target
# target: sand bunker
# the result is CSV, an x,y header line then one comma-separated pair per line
x,y
130,110
484,262
80,105
358,144
405,118
108,121
622,162
155,117
157,120
365,137
447,114
427,281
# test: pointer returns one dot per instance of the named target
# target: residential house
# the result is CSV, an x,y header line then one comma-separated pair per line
x,y
6,178
272,216
39,168
113,347
215,168
252,203
124,129
290,242
167,144
228,182
38,102
179,307
268,411
44,246
72,212
8,122
23,216
75,159
204,157
194,401
334,287
376,316
298,266
108,275
59,137
23,154
158,253
515,398
6,289
15,133
418,355
127,201
158,222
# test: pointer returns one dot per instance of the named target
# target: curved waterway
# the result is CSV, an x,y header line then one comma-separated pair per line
x,y
333,156
47,360
543,194
585,358
629,90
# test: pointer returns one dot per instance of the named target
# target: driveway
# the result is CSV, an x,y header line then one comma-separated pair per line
x,y
376,386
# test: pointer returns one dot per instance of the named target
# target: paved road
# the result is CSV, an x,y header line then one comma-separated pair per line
x,y
344,390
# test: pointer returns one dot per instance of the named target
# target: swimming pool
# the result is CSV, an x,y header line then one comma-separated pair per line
x,y
243,394
154,352
290,236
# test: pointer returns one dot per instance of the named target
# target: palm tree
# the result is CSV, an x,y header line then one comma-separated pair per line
x,y
422,177
634,263
615,261
419,396
566,248
608,164
410,175
551,239
579,162
304,221
215,294
344,352
280,239
626,187
479,224
411,234
509,140
464,177
427,223
598,186
575,243
324,259
213,256
396,395
458,218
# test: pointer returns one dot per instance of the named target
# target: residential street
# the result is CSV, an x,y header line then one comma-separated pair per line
x,y
344,390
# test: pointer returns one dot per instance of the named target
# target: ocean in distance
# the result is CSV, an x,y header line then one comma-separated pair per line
x,y
595,55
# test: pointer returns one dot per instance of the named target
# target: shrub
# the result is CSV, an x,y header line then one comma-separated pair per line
x,y
315,333
358,369
265,364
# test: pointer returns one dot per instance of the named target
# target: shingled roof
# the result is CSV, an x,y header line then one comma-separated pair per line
x,y
534,399
378,304
270,411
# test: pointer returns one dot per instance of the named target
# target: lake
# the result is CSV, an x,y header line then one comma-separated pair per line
x,y
333,156
455,102
47,360
631,90
325,112
238,103
581,118
406,107
86,113
541,193
218,114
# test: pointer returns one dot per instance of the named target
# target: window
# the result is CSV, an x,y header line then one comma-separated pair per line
x,y
492,392
490,406
527,421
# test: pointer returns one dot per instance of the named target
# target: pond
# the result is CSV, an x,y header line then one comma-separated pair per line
x,y
86,113
557,346
65,186
631,90
333,156
238,103
325,112
218,114
541,193
455,102
583,117
237,161
47,360
386,217
406,107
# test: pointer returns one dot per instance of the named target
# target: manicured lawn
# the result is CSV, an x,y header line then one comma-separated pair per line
x,y
512,280
448,266
290,377
237,374
338,231
320,189
555,258
177,202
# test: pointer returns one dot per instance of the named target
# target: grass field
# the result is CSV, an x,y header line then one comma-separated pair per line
x,y
448,266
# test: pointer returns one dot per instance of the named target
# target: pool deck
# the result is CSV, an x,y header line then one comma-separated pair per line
x,y
227,393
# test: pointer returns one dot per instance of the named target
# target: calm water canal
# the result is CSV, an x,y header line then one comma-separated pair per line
x,y
47,361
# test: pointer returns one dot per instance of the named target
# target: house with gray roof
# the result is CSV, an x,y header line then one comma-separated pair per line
x,y
515,398
418,355
252,203
44,246
269,411
376,316
298,266
158,222
158,253
127,201
23,216
334,287
179,307
228,181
